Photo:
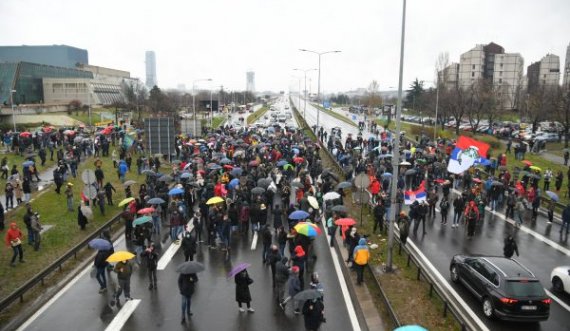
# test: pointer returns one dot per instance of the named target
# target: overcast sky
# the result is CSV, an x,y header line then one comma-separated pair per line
x,y
222,39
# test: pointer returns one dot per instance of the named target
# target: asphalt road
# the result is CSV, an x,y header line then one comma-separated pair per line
x,y
80,306
541,246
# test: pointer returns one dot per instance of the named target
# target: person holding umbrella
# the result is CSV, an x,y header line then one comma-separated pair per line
x,y
243,295
313,314
105,249
186,286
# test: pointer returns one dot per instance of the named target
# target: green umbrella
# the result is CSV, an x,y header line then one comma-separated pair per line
x,y
142,220
287,166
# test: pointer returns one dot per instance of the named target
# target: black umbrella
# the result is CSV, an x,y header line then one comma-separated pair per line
x,y
496,183
343,185
165,178
258,190
297,184
190,267
339,209
308,295
410,172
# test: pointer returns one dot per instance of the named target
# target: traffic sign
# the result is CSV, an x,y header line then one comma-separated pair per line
x,y
362,181
88,176
361,197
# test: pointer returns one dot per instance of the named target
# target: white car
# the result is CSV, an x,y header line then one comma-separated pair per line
x,y
560,278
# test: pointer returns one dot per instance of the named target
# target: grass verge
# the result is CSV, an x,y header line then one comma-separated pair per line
x,y
257,115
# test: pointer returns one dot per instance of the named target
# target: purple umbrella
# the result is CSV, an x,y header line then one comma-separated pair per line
x,y
239,268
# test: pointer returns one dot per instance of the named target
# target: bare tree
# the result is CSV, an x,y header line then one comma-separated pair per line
x,y
561,111
454,102
539,104
372,98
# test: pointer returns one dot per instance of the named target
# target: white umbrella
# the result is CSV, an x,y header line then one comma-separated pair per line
x,y
87,212
331,196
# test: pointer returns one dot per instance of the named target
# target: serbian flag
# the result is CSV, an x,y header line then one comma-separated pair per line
x,y
418,195
467,153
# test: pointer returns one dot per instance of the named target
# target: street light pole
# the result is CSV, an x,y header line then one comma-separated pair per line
x,y
305,106
396,149
13,108
319,83
436,107
194,100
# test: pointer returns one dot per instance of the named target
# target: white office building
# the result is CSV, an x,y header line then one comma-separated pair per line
x,y
544,73
150,64
566,78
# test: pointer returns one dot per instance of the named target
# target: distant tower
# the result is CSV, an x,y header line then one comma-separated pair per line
x,y
150,62
250,84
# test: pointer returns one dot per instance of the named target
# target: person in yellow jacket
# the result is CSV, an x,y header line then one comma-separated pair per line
x,y
361,257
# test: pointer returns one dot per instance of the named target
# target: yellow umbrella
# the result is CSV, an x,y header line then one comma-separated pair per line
x,y
313,202
125,201
214,200
120,256
535,168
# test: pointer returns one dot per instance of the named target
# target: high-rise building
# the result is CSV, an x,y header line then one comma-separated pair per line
x,y
250,81
490,62
566,77
448,77
150,63
544,73
52,55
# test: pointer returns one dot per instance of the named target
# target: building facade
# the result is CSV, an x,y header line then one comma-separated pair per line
x,y
250,81
53,55
150,63
544,73
490,62
566,78
449,76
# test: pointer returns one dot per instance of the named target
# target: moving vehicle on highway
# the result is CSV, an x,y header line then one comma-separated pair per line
x,y
506,288
560,278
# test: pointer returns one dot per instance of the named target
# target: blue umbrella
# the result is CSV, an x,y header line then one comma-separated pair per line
x,y
411,328
281,163
299,215
383,156
295,150
155,201
100,244
553,196
28,163
236,172
215,167
225,161
386,174
176,191
234,182
186,175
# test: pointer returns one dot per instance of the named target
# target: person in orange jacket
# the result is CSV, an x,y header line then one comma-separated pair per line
x,y
14,239
361,257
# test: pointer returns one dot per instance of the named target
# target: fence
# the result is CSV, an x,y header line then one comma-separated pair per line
x,y
451,300
56,265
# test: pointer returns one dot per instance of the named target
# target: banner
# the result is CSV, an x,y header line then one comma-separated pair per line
x,y
467,153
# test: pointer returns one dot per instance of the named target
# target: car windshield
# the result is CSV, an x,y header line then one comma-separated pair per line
x,y
524,288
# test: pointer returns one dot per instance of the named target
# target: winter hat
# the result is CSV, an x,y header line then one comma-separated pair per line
x,y
299,251
362,242
295,269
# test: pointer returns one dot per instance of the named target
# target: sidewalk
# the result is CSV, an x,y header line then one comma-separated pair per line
x,y
552,158
363,297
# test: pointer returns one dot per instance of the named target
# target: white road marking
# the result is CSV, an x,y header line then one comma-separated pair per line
x,y
172,249
538,236
344,290
123,315
58,295
254,241
557,299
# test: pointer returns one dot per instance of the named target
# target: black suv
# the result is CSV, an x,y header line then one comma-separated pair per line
x,y
506,288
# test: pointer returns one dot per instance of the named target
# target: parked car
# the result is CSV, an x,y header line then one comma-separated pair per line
x,y
506,288
560,277
547,136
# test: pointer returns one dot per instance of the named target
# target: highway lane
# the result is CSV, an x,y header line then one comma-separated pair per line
x,y
213,304
442,242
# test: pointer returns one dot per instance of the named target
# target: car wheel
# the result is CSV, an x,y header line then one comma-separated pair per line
x,y
488,308
454,274
557,285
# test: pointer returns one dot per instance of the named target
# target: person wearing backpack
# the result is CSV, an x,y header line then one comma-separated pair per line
x,y
444,208
361,257
472,216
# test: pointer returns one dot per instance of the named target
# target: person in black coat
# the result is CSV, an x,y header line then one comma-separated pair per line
x,y
188,246
151,257
510,247
277,217
243,281
314,314
186,284
272,258
81,219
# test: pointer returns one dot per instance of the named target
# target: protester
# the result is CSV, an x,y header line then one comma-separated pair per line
x,y
14,239
361,258
124,270
243,281
510,247
186,286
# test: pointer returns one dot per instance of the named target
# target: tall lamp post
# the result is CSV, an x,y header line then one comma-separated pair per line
x,y
305,106
396,149
319,84
211,106
13,108
194,99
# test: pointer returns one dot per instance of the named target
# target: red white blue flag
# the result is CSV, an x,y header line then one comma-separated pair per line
x,y
467,153
417,195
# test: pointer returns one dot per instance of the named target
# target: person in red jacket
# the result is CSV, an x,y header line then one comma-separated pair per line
x,y
471,216
14,239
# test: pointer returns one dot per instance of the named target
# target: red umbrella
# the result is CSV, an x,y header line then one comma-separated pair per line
x,y
201,172
526,162
228,166
345,222
476,180
107,130
253,163
69,132
25,134
47,129
147,210
298,160
439,180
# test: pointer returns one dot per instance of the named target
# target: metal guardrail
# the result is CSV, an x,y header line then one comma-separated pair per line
x,y
452,302
56,265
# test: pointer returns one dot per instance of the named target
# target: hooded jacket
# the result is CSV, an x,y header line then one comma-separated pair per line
x,y
13,234
361,253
